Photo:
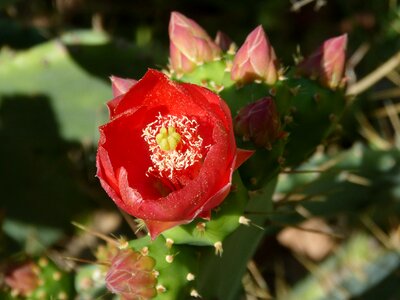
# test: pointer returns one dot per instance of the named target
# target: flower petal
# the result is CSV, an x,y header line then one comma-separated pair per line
x,y
241,156
121,85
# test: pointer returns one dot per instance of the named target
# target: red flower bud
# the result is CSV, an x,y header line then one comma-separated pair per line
x,y
168,153
22,279
190,44
259,122
327,62
255,60
131,276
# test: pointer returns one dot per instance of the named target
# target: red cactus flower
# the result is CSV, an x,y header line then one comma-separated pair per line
x,y
259,122
190,45
255,59
168,153
131,276
22,279
327,62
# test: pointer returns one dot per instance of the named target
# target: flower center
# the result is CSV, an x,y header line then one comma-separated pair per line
x,y
174,144
168,139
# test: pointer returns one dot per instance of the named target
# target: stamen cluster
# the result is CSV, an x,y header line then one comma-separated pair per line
x,y
186,150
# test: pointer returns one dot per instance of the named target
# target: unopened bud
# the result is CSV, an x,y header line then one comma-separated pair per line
x,y
255,60
327,62
259,122
22,279
223,41
190,45
131,275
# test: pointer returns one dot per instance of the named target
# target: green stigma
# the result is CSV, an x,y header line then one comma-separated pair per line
x,y
168,139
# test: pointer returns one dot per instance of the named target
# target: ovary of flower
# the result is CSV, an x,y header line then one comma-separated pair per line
x,y
163,137
168,139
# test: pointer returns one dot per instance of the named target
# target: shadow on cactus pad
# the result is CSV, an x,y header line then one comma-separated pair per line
x,y
39,184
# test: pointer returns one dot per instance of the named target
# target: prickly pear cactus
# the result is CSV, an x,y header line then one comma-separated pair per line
x,y
280,115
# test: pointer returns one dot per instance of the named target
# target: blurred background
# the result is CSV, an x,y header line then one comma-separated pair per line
x,y
56,57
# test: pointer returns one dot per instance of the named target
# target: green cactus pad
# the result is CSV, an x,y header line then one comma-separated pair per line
x,y
223,221
53,282
176,267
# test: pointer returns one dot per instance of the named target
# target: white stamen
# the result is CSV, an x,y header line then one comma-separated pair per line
x,y
167,162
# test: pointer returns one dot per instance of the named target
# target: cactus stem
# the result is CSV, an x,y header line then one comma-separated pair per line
x,y
56,276
169,258
195,293
218,248
169,242
244,221
160,288
190,277
144,251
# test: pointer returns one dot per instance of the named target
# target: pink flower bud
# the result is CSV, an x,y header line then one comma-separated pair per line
x,y
259,122
255,60
190,45
131,276
327,62
223,41
22,279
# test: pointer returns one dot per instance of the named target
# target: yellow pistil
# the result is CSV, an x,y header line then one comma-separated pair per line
x,y
168,139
